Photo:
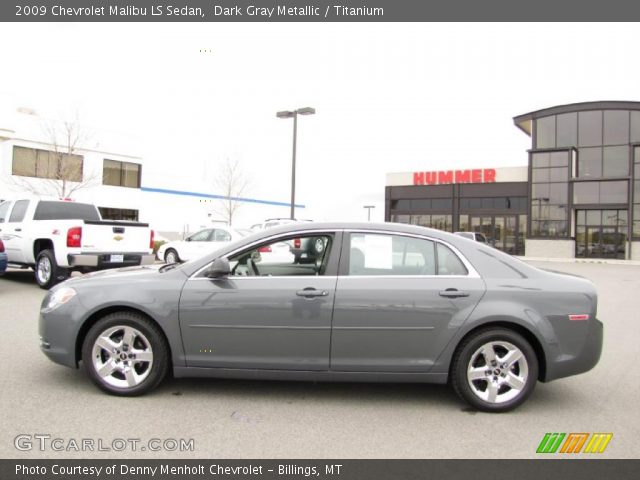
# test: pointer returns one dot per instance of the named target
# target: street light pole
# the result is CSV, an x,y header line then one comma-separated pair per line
x,y
294,114
369,207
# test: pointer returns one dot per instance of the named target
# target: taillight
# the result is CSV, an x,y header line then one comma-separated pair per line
x,y
266,249
151,240
1,246
297,243
74,237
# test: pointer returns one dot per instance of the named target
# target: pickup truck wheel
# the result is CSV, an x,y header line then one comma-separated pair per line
x,y
171,256
48,273
125,354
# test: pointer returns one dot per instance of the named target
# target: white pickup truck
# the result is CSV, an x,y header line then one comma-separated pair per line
x,y
56,237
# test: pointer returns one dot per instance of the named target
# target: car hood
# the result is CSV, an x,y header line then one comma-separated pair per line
x,y
117,273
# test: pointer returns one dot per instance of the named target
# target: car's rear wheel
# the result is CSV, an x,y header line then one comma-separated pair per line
x,y
171,256
494,370
48,273
125,354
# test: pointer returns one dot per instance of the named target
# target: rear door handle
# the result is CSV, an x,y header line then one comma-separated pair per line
x,y
312,292
453,293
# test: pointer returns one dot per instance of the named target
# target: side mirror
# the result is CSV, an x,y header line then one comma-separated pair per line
x,y
219,268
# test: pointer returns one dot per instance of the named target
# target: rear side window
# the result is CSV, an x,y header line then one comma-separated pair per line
x,y
19,209
449,263
221,235
47,210
379,254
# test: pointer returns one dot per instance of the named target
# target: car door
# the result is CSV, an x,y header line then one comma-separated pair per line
x,y
399,300
12,231
264,315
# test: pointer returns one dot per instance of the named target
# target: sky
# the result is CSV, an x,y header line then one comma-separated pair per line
x,y
389,97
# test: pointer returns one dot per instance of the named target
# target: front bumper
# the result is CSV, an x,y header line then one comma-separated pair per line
x,y
101,261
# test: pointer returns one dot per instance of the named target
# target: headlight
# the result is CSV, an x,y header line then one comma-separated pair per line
x,y
59,297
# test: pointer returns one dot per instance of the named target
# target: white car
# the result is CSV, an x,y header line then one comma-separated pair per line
x,y
274,222
200,243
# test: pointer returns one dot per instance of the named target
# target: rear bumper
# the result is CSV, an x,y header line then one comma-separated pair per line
x,y
3,262
101,261
579,360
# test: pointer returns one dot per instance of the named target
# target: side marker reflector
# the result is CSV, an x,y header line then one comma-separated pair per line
x,y
579,317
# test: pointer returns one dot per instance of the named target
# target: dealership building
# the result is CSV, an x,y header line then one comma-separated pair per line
x,y
577,196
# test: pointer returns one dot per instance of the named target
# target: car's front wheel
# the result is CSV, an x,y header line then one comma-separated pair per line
x,y
494,370
125,353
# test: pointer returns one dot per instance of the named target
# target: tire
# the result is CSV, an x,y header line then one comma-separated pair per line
x,y
503,386
47,271
171,256
106,354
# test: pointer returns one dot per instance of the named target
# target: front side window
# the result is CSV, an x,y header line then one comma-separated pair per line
x,y
300,256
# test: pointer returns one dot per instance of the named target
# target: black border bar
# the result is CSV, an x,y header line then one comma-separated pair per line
x,y
122,469
318,10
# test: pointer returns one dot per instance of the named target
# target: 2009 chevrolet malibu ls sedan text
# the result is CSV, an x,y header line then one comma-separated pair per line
x,y
380,303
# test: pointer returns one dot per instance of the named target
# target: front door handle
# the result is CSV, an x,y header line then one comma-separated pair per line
x,y
312,292
18,229
453,293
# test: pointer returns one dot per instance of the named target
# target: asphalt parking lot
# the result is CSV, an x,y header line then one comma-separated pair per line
x,y
259,419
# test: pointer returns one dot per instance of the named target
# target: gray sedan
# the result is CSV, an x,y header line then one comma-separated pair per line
x,y
381,303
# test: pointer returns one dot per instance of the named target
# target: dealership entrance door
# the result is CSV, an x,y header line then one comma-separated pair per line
x,y
601,233
505,232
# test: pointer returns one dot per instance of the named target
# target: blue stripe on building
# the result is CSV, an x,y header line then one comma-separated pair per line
x,y
218,197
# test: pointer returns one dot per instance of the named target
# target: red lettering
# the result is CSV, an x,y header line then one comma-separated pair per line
x,y
476,176
490,175
418,178
463,176
445,177
431,178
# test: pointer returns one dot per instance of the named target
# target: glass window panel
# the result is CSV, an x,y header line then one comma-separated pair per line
x,y
463,224
540,174
539,191
613,192
421,204
559,159
475,203
556,212
400,218
111,173
449,263
616,127
487,202
546,132
567,130
72,167
586,192
540,160
590,162
615,161
441,203
636,220
636,191
501,202
590,128
559,174
609,217
594,217
422,220
464,203
581,217
24,162
558,193
635,127
131,175
47,165
636,170
622,219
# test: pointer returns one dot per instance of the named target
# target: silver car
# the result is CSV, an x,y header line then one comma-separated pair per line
x,y
381,303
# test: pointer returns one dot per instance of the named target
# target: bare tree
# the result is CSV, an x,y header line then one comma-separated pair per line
x,y
231,182
59,168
